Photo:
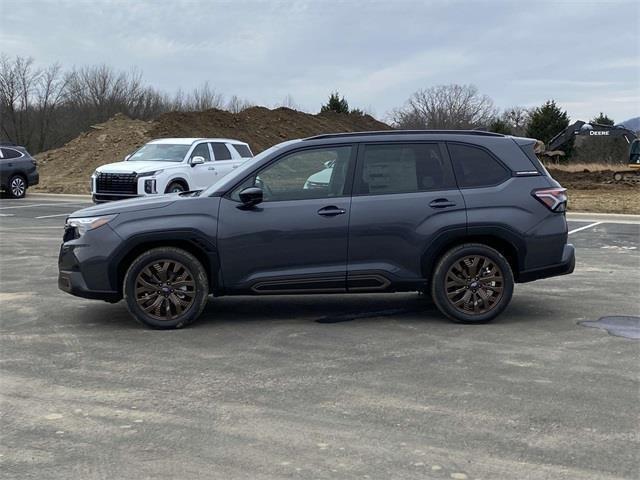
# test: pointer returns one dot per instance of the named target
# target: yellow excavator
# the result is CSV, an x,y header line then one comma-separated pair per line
x,y
580,128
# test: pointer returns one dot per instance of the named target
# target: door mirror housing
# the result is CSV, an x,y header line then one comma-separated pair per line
x,y
127,157
197,160
251,196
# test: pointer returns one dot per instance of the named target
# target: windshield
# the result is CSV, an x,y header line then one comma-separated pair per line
x,y
160,152
248,165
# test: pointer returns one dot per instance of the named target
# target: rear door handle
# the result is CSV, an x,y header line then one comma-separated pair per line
x,y
442,203
331,211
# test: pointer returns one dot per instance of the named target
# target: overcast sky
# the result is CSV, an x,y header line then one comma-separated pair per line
x,y
584,54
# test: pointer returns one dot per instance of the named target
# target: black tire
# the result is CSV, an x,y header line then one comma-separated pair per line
x,y
489,297
17,186
175,187
191,296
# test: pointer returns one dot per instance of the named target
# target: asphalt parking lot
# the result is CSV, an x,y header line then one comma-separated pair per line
x,y
336,386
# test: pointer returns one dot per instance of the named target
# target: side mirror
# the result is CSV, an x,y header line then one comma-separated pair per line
x,y
127,157
251,196
197,160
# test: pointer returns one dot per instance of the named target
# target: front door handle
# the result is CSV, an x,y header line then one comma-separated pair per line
x,y
331,211
212,168
442,203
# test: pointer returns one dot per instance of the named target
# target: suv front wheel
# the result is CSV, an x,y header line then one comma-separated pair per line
x,y
166,287
472,283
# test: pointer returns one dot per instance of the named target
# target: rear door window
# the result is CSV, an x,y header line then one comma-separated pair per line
x,y
403,168
475,167
220,151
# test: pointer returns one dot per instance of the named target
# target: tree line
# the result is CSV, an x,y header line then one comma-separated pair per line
x,y
43,108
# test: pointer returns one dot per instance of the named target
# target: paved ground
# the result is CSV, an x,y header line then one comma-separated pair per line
x,y
259,388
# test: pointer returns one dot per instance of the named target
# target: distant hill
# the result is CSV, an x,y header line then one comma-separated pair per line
x,y
632,124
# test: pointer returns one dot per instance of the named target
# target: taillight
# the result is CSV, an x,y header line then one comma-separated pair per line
x,y
555,199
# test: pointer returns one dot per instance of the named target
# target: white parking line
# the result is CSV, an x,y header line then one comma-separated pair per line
x,y
7,214
56,215
584,228
41,205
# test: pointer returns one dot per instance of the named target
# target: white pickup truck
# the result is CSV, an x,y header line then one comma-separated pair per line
x,y
168,165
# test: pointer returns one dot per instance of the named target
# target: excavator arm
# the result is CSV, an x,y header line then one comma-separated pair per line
x,y
581,128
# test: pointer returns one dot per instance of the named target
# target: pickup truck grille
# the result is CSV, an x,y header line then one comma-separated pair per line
x,y
117,183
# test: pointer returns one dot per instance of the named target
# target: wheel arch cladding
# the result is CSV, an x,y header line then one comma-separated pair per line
x,y
203,250
503,245
180,180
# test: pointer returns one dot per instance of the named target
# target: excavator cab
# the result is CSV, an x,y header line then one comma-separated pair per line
x,y
634,154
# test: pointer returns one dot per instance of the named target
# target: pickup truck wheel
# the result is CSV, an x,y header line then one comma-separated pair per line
x,y
165,288
175,187
17,186
472,283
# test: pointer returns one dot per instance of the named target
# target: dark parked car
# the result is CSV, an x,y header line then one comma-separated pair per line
x,y
18,170
461,215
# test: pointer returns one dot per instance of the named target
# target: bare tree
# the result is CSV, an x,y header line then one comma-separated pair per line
x,y
204,98
51,91
517,118
18,80
237,104
446,107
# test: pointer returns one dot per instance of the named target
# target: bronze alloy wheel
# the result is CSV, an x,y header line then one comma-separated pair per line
x,y
474,284
165,289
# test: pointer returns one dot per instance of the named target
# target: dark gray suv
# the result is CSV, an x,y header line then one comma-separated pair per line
x,y
462,215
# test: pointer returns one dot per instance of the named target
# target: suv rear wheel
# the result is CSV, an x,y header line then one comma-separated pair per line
x,y
166,288
472,283
17,186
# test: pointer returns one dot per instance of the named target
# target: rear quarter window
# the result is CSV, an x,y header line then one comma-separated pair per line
x,y
475,167
243,150
10,153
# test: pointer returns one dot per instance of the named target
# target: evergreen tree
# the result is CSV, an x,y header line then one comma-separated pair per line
x,y
603,119
498,125
335,104
546,122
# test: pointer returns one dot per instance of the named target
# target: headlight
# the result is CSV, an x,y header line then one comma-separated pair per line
x,y
149,174
84,224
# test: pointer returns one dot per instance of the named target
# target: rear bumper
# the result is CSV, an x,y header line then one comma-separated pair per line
x,y
565,267
33,179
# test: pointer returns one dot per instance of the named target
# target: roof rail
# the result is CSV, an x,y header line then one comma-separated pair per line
x,y
406,132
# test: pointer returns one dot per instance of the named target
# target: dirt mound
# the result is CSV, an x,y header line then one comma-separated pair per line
x,y
259,126
69,168
582,180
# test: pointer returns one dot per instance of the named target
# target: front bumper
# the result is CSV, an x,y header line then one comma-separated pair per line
x,y
74,283
565,267
84,265
111,197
